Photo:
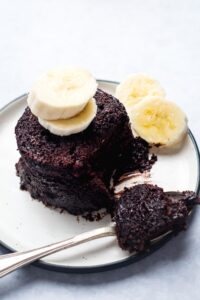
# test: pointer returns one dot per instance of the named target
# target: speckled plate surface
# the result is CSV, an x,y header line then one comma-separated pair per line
x,y
27,223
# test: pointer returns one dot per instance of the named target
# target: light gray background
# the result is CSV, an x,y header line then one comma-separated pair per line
x,y
112,38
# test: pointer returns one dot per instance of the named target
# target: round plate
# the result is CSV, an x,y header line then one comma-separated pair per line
x,y
27,224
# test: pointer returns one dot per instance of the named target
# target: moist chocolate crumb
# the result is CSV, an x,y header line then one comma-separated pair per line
x,y
139,159
145,212
95,216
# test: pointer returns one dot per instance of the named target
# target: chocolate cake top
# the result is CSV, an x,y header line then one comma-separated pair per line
x,y
39,145
144,212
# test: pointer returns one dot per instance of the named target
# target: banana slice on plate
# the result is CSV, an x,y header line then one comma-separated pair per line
x,y
136,87
159,121
73,125
61,93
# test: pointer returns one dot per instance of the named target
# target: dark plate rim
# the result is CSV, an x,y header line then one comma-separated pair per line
x,y
114,265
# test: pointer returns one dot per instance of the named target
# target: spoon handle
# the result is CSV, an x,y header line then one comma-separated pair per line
x,y
13,261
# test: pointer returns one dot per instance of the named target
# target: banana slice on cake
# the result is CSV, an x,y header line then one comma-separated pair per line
x,y
136,87
61,93
159,121
78,123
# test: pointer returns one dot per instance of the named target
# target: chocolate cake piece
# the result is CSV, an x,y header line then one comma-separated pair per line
x,y
145,212
74,172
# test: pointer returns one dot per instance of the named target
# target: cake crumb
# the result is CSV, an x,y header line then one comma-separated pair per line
x,y
94,216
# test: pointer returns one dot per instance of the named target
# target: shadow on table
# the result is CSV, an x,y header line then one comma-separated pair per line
x,y
174,250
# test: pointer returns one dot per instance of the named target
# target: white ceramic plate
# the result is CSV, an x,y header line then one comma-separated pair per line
x,y
27,223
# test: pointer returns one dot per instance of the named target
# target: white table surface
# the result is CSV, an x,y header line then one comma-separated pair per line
x,y
111,38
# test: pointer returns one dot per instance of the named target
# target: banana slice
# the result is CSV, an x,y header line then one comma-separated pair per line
x,y
61,93
73,125
137,87
159,121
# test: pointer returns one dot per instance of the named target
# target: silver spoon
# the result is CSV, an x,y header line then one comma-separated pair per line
x,y
13,261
